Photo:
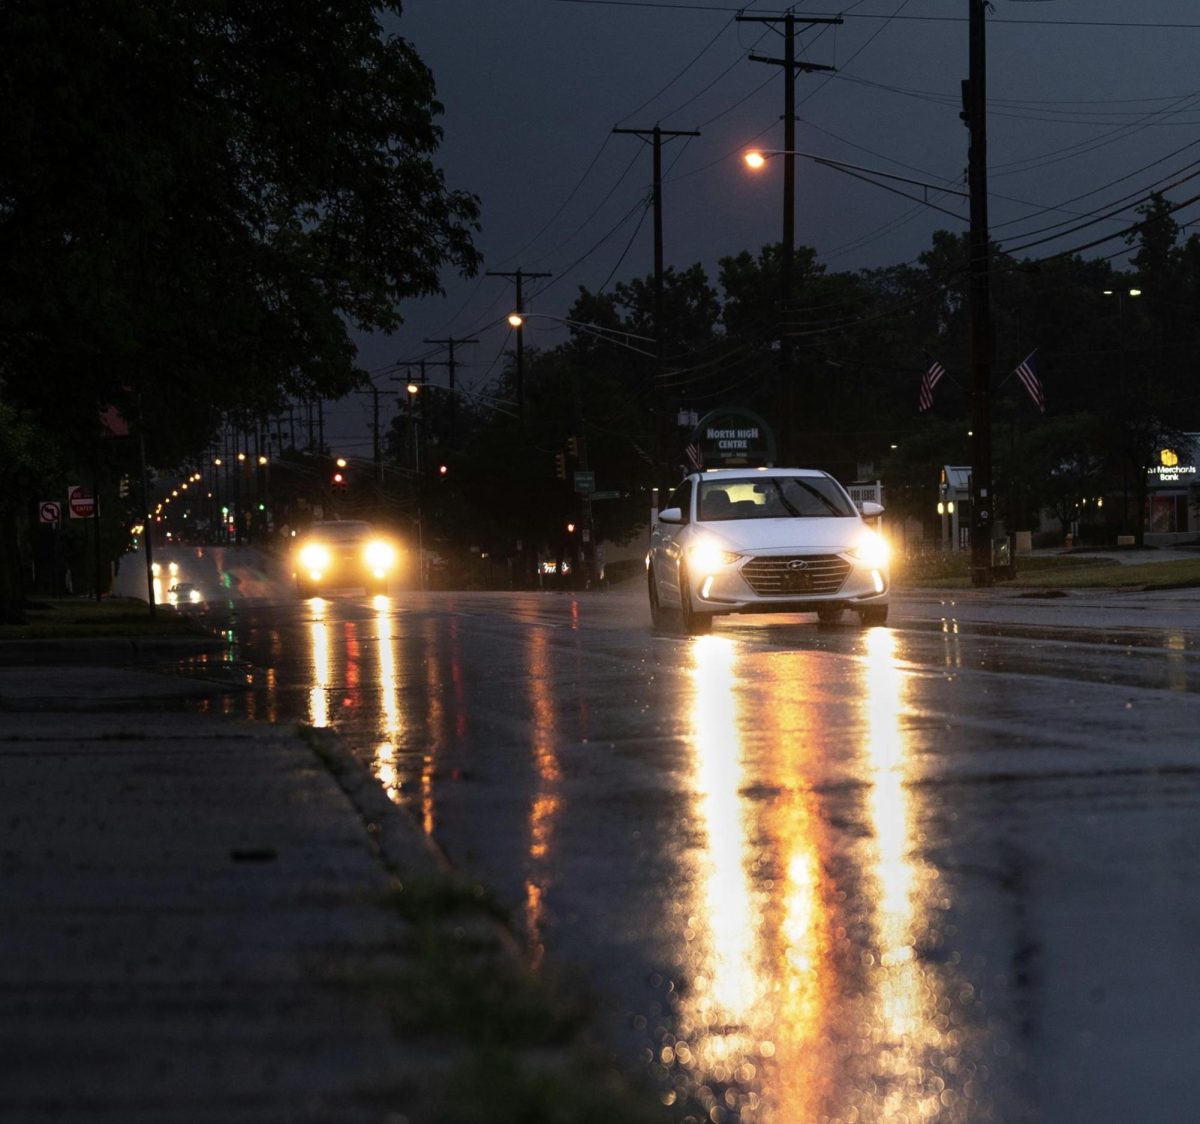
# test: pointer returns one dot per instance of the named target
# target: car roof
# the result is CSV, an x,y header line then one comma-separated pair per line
x,y
751,470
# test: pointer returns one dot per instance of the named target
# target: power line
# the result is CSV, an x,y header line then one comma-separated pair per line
x,y
1114,24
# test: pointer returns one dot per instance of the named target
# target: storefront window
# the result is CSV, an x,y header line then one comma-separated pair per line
x,y
1167,514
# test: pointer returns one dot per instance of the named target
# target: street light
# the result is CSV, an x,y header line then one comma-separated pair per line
x,y
517,320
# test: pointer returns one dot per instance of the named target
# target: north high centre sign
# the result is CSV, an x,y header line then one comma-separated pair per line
x,y
731,438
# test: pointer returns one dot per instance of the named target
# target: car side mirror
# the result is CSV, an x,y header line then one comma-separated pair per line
x,y
871,509
671,515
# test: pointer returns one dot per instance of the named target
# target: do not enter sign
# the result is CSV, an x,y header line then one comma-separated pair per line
x,y
81,503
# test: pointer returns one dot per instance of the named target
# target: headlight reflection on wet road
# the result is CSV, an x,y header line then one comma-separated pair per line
x,y
910,1038
318,694
805,997
711,1054
546,798
384,763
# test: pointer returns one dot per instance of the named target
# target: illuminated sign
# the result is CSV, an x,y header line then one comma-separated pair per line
x,y
733,437
1169,470
1166,473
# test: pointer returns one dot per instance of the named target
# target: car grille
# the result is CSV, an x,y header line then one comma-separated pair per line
x,y
777,574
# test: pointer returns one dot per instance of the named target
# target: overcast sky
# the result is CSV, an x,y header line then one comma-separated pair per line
x,y
1091,104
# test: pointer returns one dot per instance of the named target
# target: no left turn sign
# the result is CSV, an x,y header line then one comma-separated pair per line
x,y
50,511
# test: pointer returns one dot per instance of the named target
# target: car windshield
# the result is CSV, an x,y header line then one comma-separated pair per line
x,y
349,531
772,497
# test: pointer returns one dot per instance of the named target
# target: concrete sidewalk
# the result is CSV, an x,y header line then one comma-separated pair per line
x,y
203,921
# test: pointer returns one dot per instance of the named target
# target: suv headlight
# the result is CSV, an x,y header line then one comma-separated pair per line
x,y
708,556
380,556
872,551
314,557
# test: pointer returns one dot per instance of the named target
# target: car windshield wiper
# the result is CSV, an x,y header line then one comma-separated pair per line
x,y
824,500
791,508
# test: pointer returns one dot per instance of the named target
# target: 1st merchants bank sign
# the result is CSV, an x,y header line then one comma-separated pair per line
x,y
732,438
1169,469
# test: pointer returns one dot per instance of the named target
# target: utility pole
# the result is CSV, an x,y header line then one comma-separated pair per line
x,y
518,276
655,137
376,459
974,92
450,366
788,256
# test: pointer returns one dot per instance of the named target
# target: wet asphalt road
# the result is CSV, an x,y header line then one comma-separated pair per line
x,y
943,870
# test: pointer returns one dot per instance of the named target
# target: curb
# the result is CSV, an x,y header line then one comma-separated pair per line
x,y
104,649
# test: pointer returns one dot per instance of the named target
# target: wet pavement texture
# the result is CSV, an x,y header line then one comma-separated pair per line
x,y
943,870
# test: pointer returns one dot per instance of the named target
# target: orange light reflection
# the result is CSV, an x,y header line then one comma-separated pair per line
x,y
318,694
546,799
384,761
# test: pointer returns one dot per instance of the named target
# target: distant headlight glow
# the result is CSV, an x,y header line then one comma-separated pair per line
x,y
872,551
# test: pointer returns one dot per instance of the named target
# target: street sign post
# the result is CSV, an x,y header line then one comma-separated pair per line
x,y
49,511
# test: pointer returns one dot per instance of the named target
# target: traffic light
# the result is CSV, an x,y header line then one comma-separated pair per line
x,y
573,446
339,478
560,465
443,471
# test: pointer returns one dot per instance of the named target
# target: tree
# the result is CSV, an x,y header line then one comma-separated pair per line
x,y
197,202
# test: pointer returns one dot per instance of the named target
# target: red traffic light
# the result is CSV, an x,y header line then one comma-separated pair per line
x,y
443,469
338,478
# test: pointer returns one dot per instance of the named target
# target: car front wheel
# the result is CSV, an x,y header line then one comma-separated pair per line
x,y
657,616
694,624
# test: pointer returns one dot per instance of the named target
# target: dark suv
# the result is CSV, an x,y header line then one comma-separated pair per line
x,y
343,554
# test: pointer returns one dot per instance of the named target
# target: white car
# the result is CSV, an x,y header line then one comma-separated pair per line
x,y
765,540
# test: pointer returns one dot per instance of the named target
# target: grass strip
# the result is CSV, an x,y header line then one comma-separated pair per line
x,y
79,618
1060,572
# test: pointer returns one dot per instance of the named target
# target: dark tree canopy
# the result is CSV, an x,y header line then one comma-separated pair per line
x,y
197,201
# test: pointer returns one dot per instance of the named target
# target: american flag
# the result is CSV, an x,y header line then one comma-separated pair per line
x,y
1030,381
930,379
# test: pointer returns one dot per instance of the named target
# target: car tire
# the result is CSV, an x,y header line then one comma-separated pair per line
x,y
694,624
873,615
829,614
657,614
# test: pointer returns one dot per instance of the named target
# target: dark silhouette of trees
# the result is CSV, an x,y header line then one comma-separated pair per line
x,y
197,202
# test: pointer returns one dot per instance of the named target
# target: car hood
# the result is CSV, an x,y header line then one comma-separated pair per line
x,y
787,534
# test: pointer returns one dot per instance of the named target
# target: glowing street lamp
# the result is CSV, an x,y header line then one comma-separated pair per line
x,y
517,320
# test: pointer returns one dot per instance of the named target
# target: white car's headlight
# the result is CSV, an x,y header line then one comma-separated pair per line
x,y
314,557
380,556
706,556
872,551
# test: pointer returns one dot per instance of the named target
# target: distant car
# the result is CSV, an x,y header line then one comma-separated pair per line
x,y
343,554
774,540
184,593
